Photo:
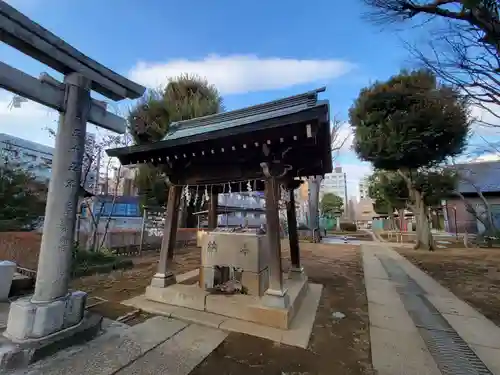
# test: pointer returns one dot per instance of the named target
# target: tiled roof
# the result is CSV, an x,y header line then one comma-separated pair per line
x,y
484,176
248,115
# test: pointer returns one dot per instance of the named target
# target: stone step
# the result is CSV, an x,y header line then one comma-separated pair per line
x,y
4,314
110,352
178,355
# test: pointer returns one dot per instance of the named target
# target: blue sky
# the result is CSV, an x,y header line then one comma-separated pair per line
x,y
253,51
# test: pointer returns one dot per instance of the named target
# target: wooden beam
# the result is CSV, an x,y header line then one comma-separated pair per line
x,y
212,210
214,174
22,33
52,95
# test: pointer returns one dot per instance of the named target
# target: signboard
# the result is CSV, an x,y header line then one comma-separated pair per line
x,y
154,222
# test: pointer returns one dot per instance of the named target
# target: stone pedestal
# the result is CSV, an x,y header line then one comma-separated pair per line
x,y
28,320
7,271
276,299
296,272
162,280
244,253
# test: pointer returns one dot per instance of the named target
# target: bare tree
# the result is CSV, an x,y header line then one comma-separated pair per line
x,y
95,161
464,51
482,15
458,57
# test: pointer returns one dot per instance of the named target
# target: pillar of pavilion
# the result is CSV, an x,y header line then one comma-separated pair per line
x,y
293,236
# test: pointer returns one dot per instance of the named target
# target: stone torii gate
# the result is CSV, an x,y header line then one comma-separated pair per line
x,y
52,312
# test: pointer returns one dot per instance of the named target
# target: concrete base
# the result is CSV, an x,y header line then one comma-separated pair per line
x,y
297,334
243,307
28,320
276,299
160,280
16,354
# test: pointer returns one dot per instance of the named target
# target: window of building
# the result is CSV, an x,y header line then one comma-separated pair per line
x,y
30,157
46,162
12,153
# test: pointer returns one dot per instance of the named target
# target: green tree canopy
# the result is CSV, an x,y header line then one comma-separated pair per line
x,y
408,125
331,204
408,122
183,98
22,197
388,190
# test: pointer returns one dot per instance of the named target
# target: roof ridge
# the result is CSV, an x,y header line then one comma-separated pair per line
x,y
309,98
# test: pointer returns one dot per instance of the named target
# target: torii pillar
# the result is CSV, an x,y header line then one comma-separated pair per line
x,y
52,308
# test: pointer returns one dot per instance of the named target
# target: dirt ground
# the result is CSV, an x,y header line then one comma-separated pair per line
x,y
409,238
336,346
21,247
471,274
120,285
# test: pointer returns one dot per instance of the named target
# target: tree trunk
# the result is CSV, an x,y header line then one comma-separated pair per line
x,y
314,185
392,221
423,233
399,227
420,210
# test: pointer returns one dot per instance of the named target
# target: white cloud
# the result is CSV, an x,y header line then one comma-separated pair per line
x,y
29,121
236,74
486,119
487,157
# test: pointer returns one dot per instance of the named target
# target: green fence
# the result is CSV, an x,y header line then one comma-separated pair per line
x,y
328,223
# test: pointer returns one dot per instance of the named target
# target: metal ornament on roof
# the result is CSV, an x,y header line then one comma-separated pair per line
x,y
195,200
187,194
206,198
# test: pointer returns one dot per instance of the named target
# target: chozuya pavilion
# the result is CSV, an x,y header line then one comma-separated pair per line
x,y
268,147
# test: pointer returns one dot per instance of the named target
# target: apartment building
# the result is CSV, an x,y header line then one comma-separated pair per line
x,y
336,183
363,188
38,158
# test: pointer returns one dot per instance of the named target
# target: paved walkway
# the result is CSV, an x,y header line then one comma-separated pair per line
x,y
419,327
158,346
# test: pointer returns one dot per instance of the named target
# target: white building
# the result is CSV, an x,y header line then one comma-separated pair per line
x,y
334,182
242,208
363,188
38,157
35,156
